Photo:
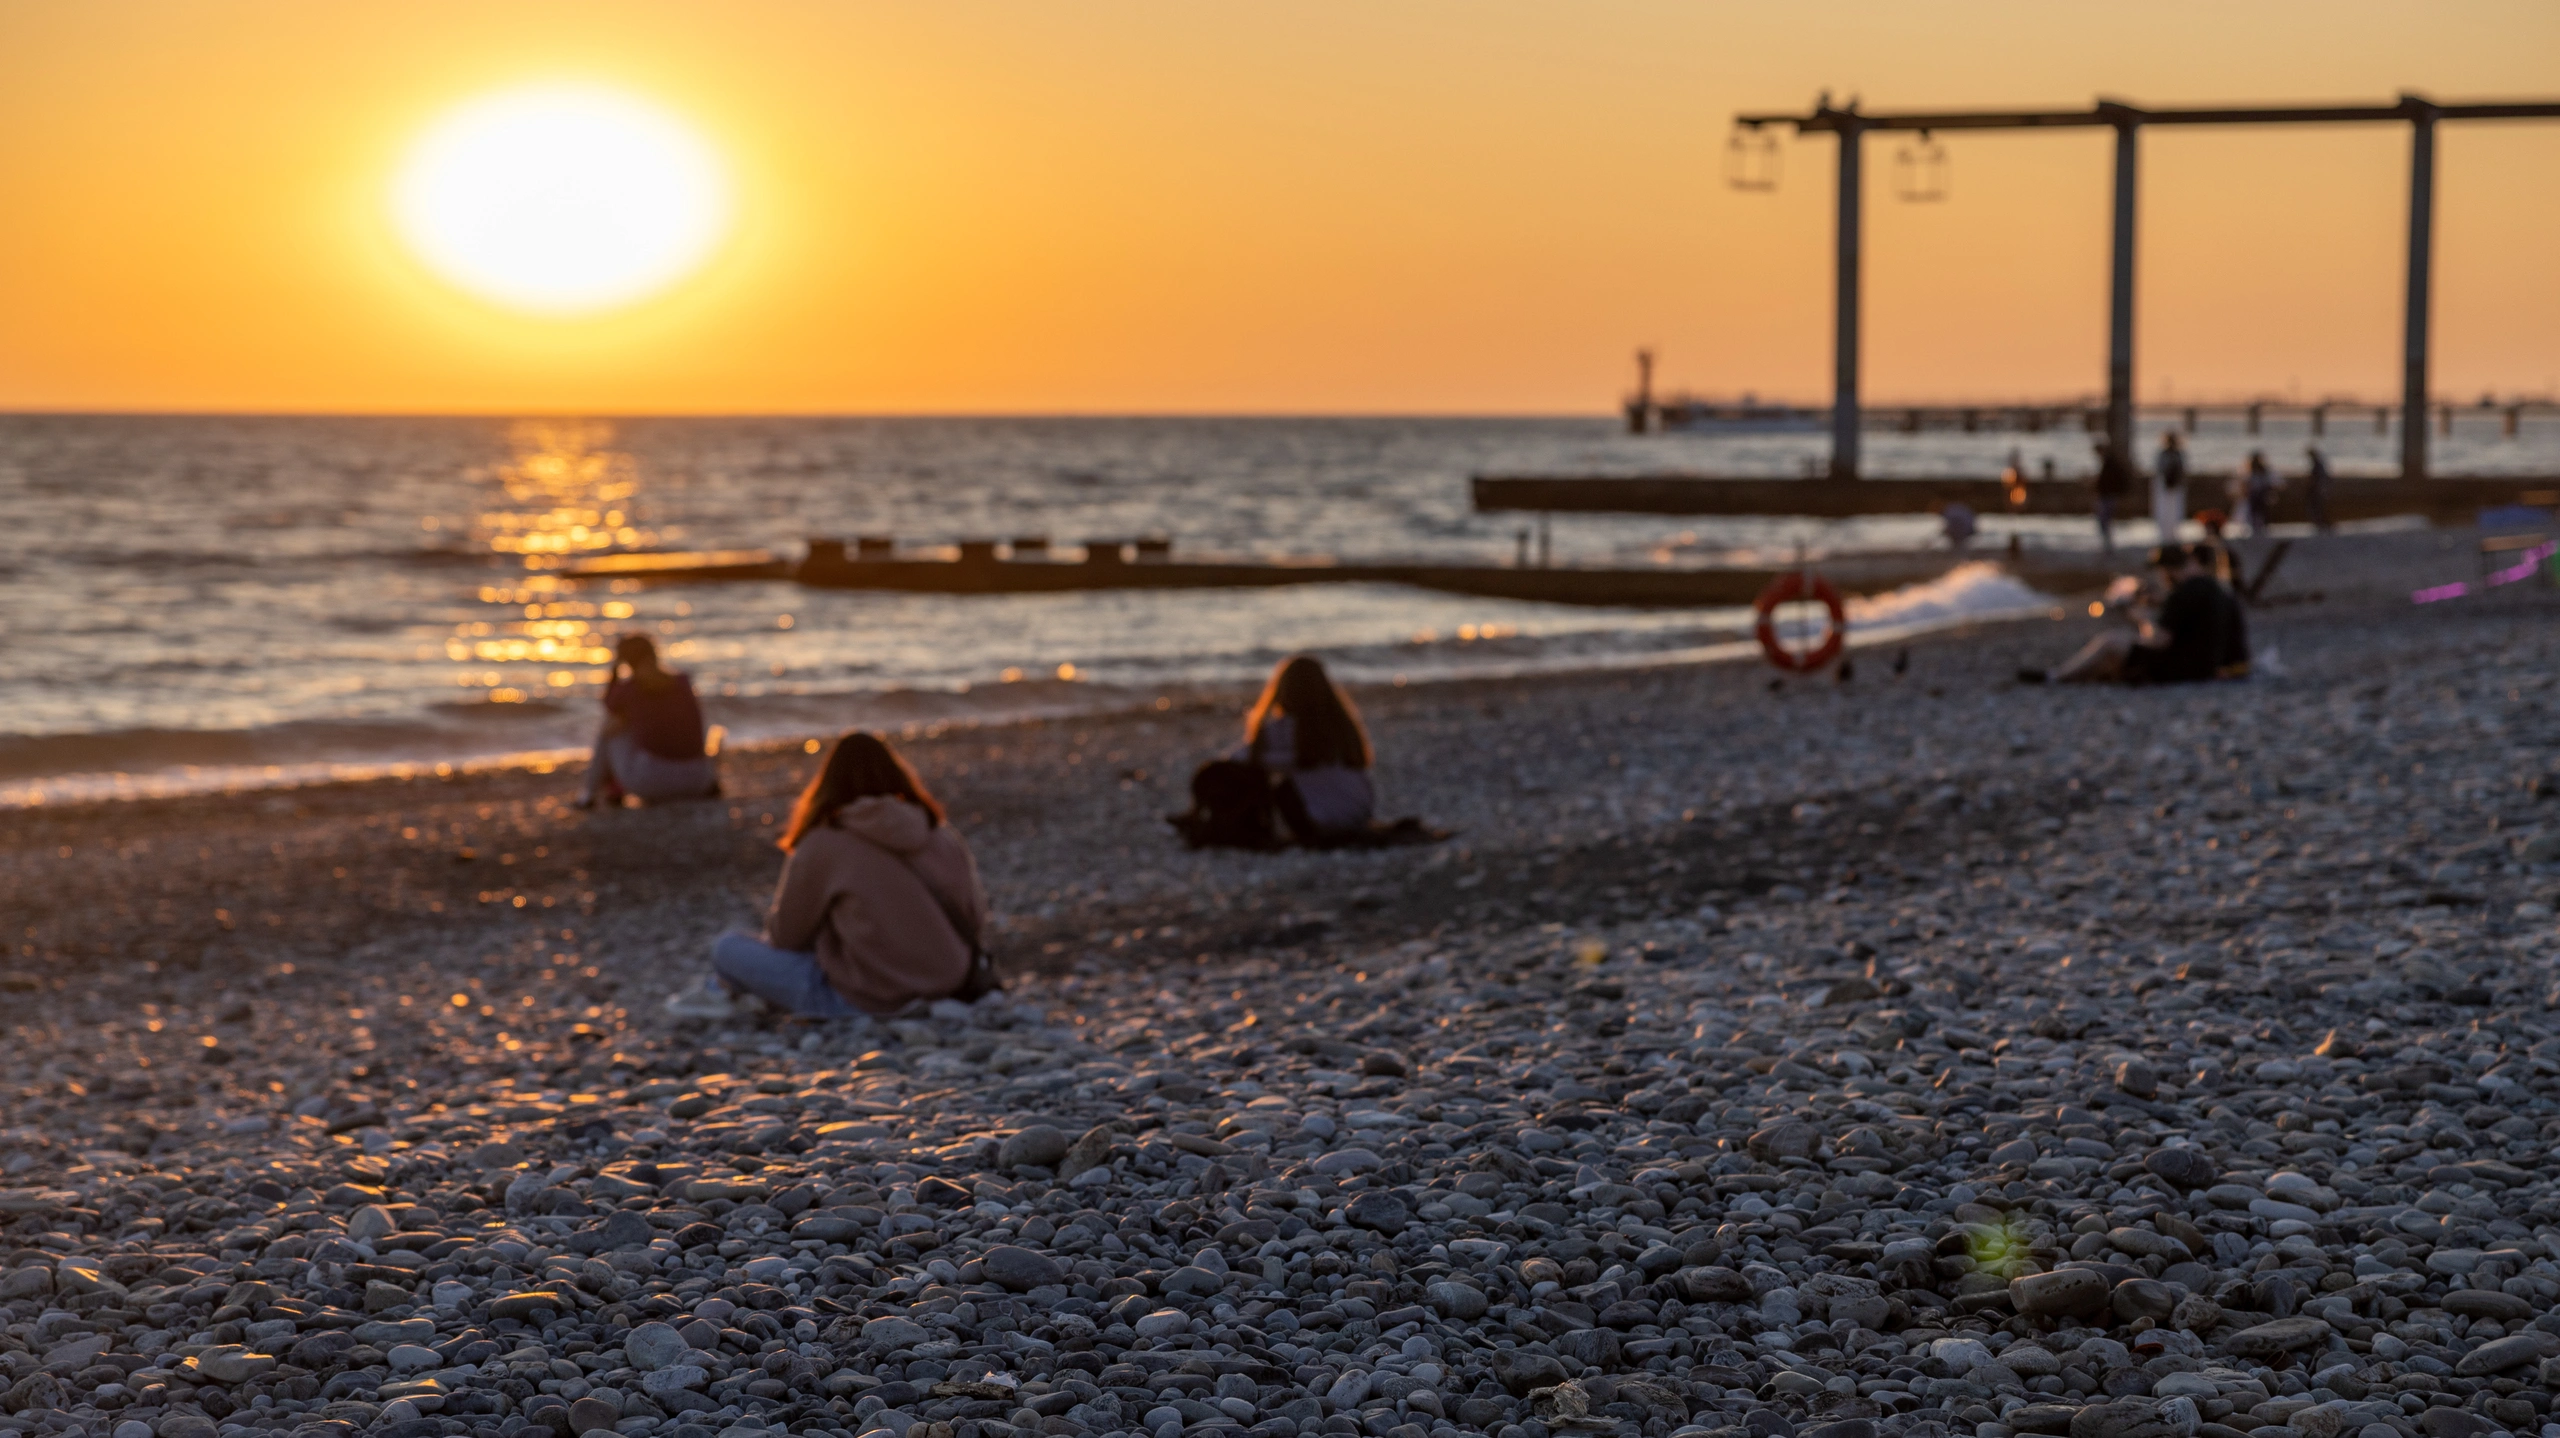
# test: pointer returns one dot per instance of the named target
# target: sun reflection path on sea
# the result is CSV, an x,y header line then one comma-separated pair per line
x,y
563,493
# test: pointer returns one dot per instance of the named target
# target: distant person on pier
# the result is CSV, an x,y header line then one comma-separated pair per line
x,y
2316,483
2169,486
2113,483
2254,492
653,745
1956,522
879,905
1305,759
2197,634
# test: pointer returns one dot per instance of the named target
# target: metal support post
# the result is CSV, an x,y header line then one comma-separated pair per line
x,y
2413,348
1844,339
2120,297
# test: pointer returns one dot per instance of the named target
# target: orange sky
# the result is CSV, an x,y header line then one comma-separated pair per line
x,y
1019,205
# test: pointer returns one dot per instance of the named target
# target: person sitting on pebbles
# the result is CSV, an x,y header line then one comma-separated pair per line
x,y
879,905
2198,634
653,744
1305,756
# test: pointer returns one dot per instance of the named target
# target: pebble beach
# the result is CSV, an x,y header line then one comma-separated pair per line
x,y
1919,1054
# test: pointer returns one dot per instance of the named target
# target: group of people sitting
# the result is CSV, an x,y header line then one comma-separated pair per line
x,y
879,904
2189,630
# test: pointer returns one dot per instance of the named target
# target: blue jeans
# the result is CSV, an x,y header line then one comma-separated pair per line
x,y
779,976
619,760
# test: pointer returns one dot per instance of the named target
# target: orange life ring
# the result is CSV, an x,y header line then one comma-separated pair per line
x,y
1790,586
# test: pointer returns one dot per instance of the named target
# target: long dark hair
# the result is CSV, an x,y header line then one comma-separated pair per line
x,y
861,766
635,651
1328,728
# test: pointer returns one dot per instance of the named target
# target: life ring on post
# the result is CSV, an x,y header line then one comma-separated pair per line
x,y
1793,585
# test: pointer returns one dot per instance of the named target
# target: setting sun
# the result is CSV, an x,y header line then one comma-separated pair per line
x,y
561,199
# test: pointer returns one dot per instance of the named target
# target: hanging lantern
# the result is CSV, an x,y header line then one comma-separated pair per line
x,y
1751,160
1920,171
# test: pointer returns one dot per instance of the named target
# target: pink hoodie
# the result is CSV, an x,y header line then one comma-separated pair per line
x,y
874,893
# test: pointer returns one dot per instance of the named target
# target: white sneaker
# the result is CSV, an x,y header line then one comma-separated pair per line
x,y
711,999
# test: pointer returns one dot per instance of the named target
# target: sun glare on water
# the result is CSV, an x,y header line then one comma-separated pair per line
x,y
561,199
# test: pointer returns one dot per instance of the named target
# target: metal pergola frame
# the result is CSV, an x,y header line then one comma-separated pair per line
x,y
2127,120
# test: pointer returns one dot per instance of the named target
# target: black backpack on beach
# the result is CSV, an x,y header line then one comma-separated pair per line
x,y
1231,808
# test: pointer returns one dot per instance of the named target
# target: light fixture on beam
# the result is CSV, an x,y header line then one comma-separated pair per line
x,y
1751,160
1920,171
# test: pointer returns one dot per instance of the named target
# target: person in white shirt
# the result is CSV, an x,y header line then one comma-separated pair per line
x,y
2169,487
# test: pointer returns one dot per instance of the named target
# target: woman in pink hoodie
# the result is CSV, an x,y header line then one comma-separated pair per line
x,y
879,903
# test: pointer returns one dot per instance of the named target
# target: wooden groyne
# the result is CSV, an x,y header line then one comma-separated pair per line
x,y
696,564
979,569
2442,501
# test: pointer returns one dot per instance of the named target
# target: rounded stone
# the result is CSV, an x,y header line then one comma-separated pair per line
x,y
2029,1360
2267,1340
1520,1370
623,1229
1461,1301
2500,1354
2064,1292
2143,1298
653,1346
1163,1323
2185,1167
1714,1284
1787,1138
2122,1418
2487,1303
594,1414
1020,1269
1191,1278
1038,1144
2147,1243
1379,1211
891,1332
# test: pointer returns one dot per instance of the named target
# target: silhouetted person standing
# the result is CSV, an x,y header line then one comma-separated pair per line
x,y
2257,492
2114,482
2169,487
2315,488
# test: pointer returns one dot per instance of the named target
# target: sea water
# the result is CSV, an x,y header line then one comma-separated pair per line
x,y
194,602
